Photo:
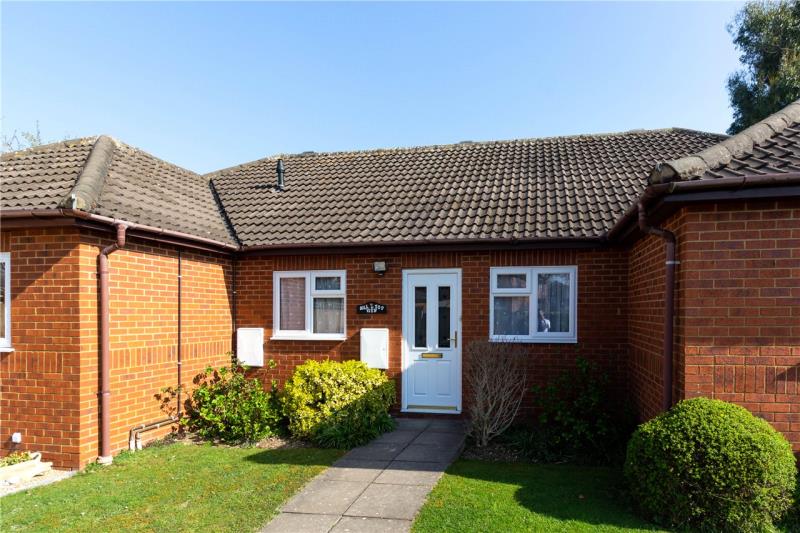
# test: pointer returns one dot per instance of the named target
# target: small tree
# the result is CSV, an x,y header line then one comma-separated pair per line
x,y
497,379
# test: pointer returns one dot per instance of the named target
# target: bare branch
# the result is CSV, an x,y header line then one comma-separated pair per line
x,y
497,378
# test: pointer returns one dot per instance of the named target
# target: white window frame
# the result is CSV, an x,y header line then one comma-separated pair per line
x,y
5,342
311,292
530,290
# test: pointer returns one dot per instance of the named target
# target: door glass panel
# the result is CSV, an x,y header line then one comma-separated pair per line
x,y
420,317
511,315
444,318
293,304
553,295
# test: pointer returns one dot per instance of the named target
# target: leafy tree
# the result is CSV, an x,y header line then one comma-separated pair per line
x,y
768,36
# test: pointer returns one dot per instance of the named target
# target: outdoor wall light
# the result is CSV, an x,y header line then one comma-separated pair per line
x,y
379,267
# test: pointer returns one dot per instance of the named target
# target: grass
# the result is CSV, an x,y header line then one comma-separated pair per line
x,y
486,496
173,487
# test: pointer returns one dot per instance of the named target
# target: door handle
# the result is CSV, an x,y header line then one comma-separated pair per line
x,y
455,339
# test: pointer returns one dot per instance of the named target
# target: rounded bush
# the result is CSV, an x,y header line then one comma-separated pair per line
x,y
709,465
338,405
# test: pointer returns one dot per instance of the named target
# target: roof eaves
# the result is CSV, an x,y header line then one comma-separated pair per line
x,y
721,154
85,194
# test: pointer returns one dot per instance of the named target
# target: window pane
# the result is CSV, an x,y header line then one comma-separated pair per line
x,y
2,300
421,317
512,315
553,294
328,283
511,281
293,303
444,317
328,315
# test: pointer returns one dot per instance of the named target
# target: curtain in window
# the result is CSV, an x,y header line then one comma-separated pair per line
x,y
327,283
553,292
293,304
328,315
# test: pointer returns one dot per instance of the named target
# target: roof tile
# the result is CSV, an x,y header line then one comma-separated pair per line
x,y
521,189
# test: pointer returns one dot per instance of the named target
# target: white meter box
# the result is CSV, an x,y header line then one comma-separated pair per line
x,y
375,347
250,346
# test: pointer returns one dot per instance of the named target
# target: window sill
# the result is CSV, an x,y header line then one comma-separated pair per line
x,y
6,350
541,340
308,338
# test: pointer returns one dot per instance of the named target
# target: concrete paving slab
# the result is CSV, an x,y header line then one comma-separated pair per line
x,y
355,470
376,451
429,453
356,524
389,501
413,423
301,523
324,496
412,473
376,488
398,436
440,439
447,426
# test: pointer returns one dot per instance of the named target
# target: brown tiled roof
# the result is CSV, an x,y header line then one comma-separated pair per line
x,y
41,178
771,146
105,177
555,188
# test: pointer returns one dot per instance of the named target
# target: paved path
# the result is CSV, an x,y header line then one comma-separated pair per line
x,y
377,488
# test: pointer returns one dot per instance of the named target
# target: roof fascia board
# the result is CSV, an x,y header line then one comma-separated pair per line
x,y
421,246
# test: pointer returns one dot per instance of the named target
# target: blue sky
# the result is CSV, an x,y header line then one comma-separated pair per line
x,y
209,85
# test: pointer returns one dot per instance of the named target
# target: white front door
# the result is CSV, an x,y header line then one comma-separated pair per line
x,y
432,340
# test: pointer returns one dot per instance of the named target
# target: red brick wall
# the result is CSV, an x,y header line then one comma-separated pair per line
x,y
602,299
144,328
740,265
39,380
646,271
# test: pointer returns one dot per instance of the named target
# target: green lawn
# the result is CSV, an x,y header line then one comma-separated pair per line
x,y
169,488
483,496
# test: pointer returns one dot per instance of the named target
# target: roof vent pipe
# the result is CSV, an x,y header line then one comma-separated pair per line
x,y
279,170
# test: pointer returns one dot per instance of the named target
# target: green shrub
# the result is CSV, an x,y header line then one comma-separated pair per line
x,y
791,522
338,405
709,465
230,407
15,458
578,416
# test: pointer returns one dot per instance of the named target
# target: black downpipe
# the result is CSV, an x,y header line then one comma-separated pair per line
x,y
669,301
180,339
233,305
134,435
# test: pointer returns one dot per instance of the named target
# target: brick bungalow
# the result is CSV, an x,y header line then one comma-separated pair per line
x,y
671,257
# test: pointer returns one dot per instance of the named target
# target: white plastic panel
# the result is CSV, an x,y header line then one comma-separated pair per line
x,y
250,346
375,347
